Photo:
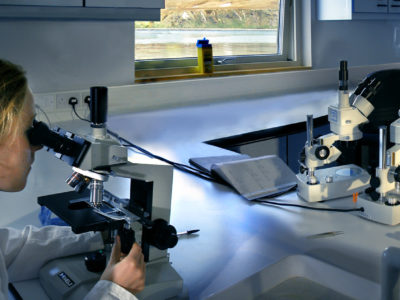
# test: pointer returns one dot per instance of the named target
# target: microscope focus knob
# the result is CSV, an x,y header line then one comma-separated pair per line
x,y
161,235
96,261
397,174
375,182
374,195
127,237
322,152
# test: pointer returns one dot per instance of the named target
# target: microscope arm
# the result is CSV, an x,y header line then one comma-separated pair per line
x,y
387,175
323,151
151,185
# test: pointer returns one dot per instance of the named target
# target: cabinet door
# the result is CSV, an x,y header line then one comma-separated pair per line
x,y
126,3
394,6
42,2
370,6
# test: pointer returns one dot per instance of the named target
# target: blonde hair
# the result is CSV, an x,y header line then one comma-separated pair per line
x,y
13,87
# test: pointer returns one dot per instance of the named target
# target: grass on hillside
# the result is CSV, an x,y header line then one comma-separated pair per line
x,y
222,4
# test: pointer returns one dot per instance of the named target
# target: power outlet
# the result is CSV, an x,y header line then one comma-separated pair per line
x,y
62,100
85,96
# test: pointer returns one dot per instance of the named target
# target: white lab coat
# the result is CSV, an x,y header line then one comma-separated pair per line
x,y
23,252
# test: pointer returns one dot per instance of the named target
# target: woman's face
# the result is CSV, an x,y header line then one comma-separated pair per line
x,y
16,154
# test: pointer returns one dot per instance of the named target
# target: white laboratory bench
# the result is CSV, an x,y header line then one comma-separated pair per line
x,y
237,238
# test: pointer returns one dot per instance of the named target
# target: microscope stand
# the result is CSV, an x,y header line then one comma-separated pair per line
x,y
68,279
379,211
334,182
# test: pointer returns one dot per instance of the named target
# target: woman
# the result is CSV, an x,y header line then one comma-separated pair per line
x,y
22,253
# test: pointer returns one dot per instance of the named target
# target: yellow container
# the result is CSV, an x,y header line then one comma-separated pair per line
x,y
205,56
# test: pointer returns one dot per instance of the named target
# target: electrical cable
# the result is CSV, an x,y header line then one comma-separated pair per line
x,y
76,113
44,113
309,207
185,168
182,167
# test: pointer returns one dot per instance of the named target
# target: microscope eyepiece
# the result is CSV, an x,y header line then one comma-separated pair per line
x,y
98,106
343,75
71,148
40,134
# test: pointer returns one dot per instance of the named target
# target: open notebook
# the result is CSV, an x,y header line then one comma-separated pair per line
x,y
253,178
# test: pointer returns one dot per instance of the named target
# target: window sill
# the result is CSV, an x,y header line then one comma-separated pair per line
x,y
147,76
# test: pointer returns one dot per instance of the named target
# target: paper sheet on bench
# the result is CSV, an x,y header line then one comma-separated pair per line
x,y
258,177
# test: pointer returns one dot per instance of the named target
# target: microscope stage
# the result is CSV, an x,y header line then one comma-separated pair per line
x,y
334,182
74,209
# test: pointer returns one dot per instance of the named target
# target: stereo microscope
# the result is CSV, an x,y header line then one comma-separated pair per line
x,y
336,181
381,202
144,217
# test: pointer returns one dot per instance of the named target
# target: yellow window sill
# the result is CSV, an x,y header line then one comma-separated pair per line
x,y
147,76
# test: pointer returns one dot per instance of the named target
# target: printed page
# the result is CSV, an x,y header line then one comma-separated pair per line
x,y
206,163
257,177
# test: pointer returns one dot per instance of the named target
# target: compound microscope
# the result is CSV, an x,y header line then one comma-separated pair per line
x,y
381,202
338,181
144,217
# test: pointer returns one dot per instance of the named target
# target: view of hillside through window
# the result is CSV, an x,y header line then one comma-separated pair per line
x,y
233,27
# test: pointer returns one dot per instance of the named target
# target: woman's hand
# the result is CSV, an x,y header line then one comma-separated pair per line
x,y
129,271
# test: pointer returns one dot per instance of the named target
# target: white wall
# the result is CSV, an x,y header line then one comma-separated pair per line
x,y
360,42
68,55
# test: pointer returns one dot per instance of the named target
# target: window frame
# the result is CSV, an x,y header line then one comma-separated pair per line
x,y
151,70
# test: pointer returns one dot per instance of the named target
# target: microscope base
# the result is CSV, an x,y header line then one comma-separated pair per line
x,y
378,211
345,180
68,279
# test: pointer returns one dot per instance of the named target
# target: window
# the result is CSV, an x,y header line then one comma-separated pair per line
x,y
247,36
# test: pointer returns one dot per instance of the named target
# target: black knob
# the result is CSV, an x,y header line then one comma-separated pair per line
x,y
397,174
96,261
322,152
375,182
161,235
98,105
374,195
127,239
